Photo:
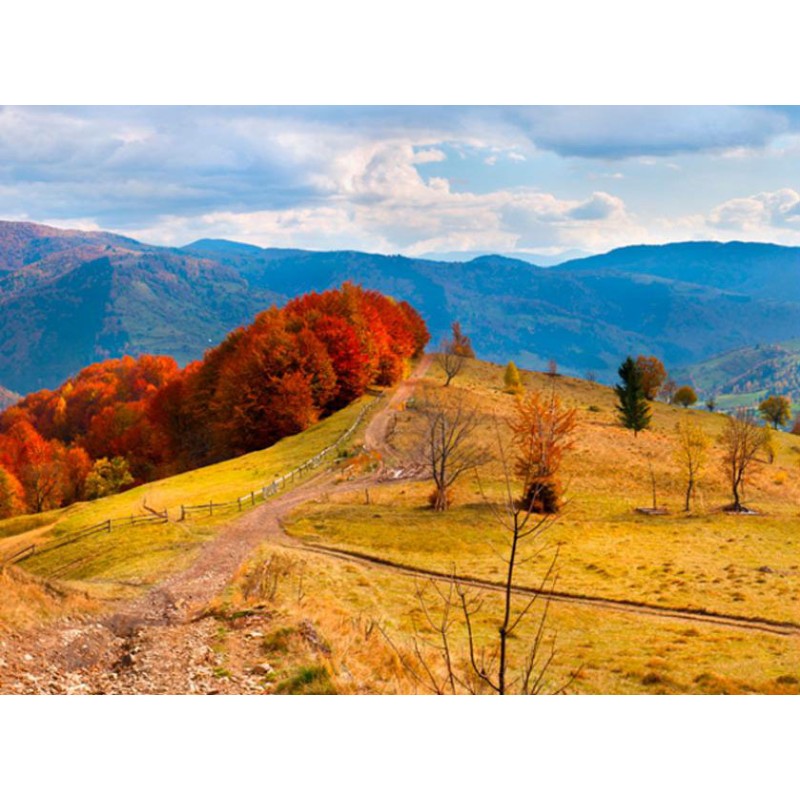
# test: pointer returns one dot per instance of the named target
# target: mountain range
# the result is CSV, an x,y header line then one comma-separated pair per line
x,y
68,298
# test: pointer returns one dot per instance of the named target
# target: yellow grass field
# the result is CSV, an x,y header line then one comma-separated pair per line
x,y
362,617
747,566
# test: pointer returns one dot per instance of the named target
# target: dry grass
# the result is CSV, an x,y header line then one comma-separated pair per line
x,y
28,600
744,565
608,652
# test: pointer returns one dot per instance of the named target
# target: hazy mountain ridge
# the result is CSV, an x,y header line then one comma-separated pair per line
x,y
682,302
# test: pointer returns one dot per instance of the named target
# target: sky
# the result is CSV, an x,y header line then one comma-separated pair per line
x,y
547,181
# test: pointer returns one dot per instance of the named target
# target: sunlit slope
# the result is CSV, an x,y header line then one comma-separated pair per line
x,y
742,565
139,555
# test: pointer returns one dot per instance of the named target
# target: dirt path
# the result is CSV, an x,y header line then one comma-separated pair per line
x,y
378,432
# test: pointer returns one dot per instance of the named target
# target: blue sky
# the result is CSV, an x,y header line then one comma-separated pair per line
x,y
544,180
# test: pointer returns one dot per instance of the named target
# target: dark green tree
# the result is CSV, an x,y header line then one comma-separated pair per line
x,y
633,408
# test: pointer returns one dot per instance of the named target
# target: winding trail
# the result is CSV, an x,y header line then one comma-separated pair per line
x,y
162,643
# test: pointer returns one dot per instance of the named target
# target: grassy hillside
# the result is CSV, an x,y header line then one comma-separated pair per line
x,y
127,558
744,376
705,560
327,624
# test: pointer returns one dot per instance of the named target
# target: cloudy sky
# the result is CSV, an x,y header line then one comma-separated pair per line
x,y
413,180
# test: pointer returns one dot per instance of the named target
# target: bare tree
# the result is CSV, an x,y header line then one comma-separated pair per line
x,y
450,361
691,452
742,439
446,445
442,661
453,352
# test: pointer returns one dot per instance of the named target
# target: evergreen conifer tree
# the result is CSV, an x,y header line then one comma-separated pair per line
x,y
633,408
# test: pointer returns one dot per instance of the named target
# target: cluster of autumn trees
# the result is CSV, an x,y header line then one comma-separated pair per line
x,y
133,420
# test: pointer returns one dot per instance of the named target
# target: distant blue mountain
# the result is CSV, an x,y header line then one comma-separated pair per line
x,y
68,298
682,302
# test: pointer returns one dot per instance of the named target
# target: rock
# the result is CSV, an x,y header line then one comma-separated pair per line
x,y
263,669
765,569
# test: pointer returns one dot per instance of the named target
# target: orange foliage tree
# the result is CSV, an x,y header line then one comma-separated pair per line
x,y
542,433
265,381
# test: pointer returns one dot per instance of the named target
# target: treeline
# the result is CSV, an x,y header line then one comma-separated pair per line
x,y
134,420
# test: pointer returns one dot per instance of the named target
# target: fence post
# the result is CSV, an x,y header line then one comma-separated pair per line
x,y
253,498
211,508
108,526
183,514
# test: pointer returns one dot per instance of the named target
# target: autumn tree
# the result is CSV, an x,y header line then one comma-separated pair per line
x,y
447,445
542,433
684,396
37,464
776,410
691,455
511,379
12,498
711,403
741,439
653,375
108,476
461,343
632,406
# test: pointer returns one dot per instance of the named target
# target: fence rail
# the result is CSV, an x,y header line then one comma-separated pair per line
x,y
19,555
106,526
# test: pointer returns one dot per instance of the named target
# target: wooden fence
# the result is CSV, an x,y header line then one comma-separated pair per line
x,y
106,526
253,497
162,517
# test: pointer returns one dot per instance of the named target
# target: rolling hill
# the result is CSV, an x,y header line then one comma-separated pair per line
x,y
68,298
747,374
67,301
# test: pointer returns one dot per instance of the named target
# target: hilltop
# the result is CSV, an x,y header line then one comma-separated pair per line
x,y
68,298
703,602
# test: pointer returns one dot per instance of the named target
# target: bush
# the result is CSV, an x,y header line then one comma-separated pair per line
x,y
307,680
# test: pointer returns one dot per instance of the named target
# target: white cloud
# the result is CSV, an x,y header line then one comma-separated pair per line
x,y
376,199
780,209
